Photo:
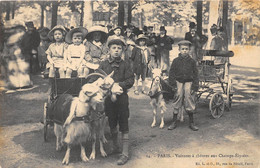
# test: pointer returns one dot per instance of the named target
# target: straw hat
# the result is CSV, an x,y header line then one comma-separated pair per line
x,y
141,37
101,29
58,27
68,37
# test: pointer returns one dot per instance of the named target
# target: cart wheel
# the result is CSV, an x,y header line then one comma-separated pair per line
x,y
45,123
217,105
229,94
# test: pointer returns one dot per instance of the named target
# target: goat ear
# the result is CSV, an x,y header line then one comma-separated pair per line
x,y
111,74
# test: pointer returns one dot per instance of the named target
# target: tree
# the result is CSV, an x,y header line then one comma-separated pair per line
x,y
43,5
54,14
121,13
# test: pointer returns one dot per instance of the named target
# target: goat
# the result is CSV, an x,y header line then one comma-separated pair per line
x,y
158,96
76,128
157,100
109,89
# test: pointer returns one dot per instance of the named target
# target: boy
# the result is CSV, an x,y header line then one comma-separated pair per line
x,y
118,111
184,71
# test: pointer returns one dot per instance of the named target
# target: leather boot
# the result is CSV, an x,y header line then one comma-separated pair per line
x,y
125,153
192,126
174,123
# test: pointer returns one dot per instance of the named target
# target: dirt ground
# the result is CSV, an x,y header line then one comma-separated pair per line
x,y
230,141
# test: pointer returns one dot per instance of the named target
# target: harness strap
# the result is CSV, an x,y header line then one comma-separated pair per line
x,y
85,118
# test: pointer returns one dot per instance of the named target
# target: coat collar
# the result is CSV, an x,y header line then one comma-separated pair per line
x,y
114,62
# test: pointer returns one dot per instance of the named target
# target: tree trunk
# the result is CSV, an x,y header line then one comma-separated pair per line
x,y
199,17
225,21
7,8
121,13
1,28
13,9
54,14
81,14
213,18
129,13
88,15
42,15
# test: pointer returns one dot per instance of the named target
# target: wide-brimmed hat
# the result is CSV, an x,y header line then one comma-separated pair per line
x,y
101,29
116,40
184,42
192,25
141,37
44,33
83,30
117,27
58,27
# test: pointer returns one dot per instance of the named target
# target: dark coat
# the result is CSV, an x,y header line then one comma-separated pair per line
x,y
184,69
124,75
166,41
30,41
136,57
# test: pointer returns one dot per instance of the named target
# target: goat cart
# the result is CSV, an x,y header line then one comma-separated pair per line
x,y
215,84
60,86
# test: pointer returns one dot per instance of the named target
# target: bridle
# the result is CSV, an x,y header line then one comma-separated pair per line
x,y
160,87
107,89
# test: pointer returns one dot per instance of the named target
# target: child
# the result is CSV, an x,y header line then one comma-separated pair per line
x,y
45,42
118,111
55,52
96,49
184,71
141,58
76,52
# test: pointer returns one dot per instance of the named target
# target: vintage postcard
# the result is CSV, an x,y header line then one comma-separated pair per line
x,y
138,83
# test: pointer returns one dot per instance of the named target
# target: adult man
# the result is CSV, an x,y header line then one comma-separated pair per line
x,y
30,41
196,40
164,45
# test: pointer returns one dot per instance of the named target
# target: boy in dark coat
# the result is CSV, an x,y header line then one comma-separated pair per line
x,y
118,111
184,71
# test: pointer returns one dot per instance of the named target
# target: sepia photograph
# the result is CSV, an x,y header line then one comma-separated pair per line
x,y
129,83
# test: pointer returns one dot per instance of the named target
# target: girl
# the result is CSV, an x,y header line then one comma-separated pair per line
x,y
96,49
55,52
141,58
76,52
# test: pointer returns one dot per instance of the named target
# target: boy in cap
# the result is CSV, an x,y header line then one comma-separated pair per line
x,y
184,71
118,111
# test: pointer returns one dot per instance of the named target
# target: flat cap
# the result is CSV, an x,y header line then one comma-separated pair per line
x,y
184,42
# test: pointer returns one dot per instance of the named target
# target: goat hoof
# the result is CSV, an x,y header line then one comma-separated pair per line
x,y
84,159
104,140
103,154
92,156
161,126
153,125
65,161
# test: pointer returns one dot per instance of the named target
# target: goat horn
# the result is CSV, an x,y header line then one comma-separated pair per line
x,y
95,74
